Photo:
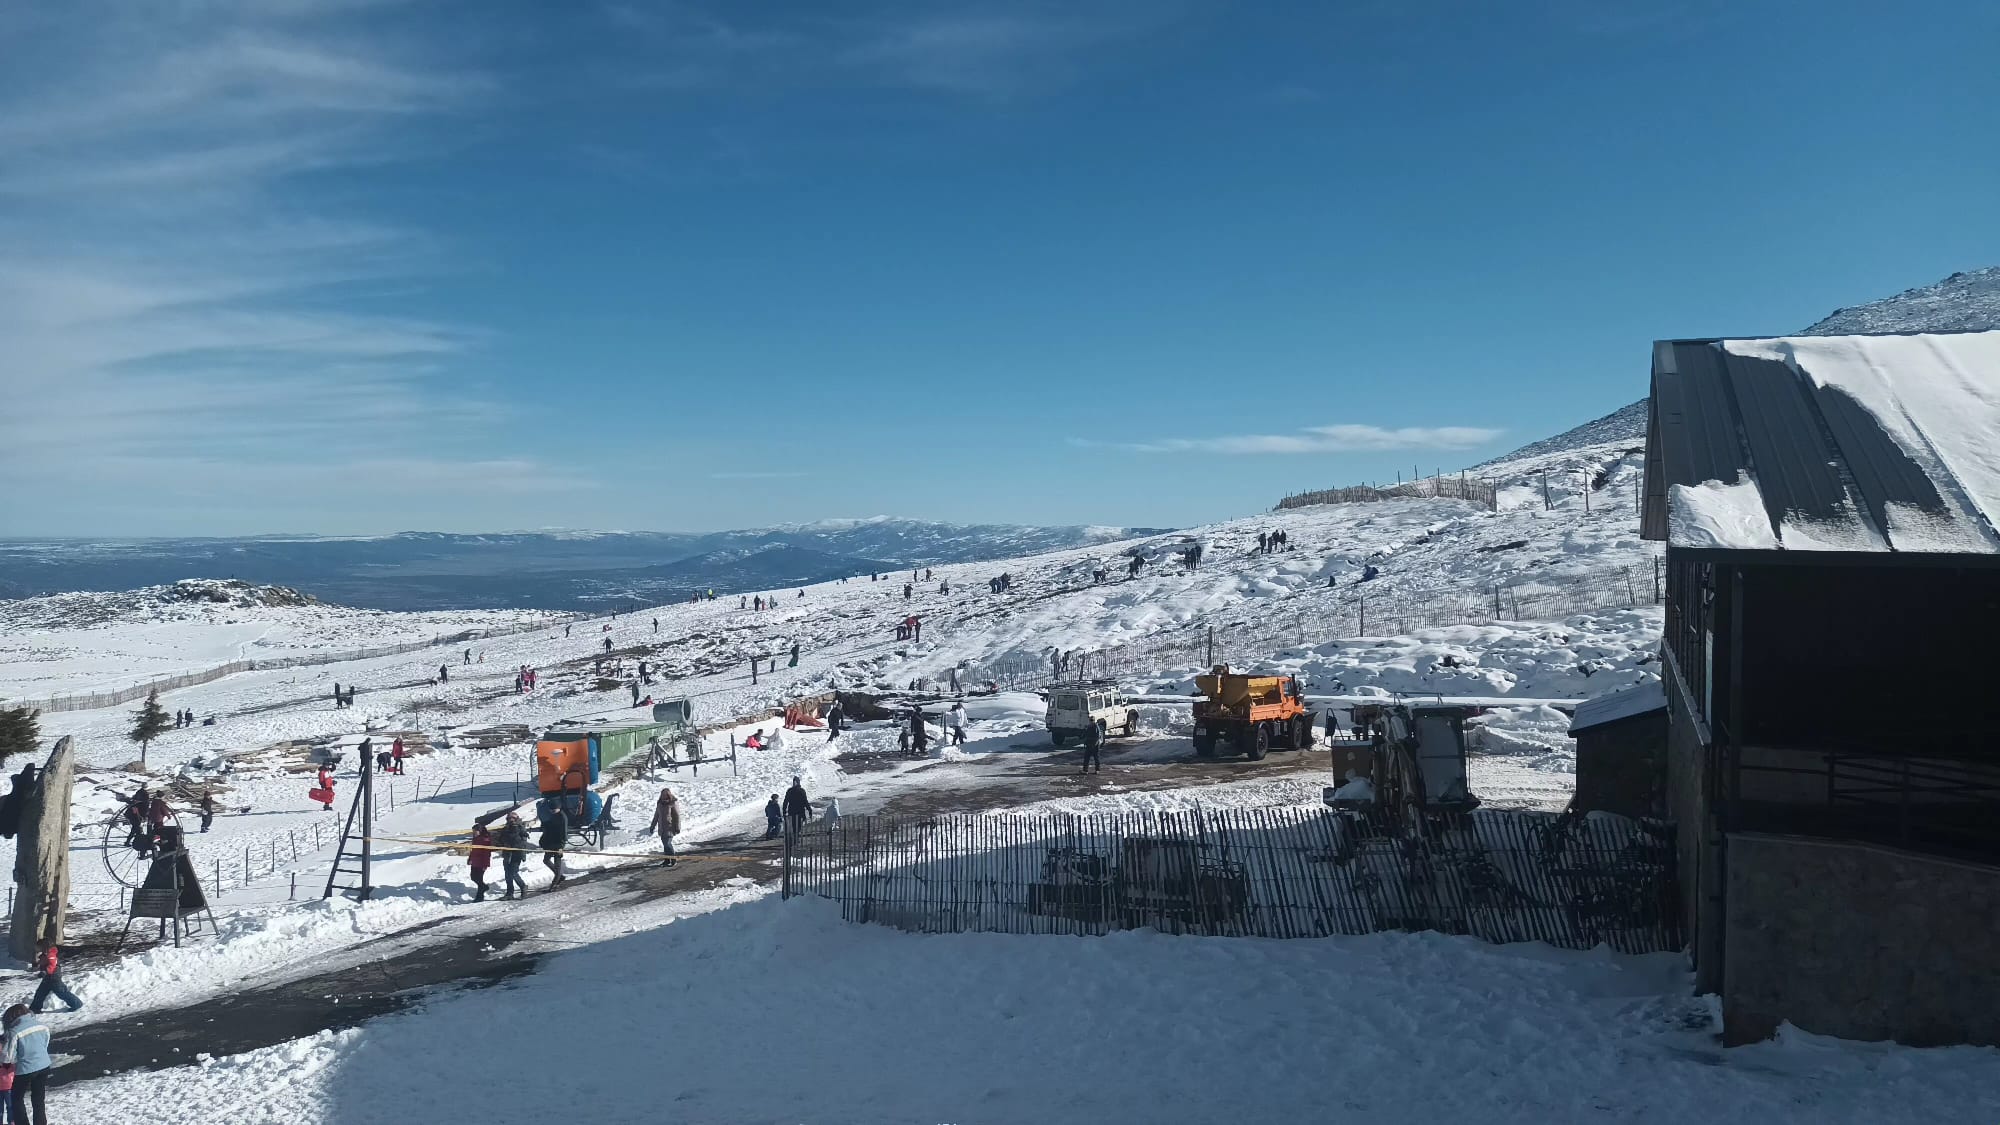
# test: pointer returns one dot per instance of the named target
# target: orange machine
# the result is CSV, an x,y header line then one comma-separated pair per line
x,y
561,765
1250,713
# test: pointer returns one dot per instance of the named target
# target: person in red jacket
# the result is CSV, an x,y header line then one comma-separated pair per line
x,y
479,859
396,755
48,965
325,790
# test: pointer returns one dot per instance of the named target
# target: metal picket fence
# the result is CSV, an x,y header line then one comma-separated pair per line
x,y
1502,876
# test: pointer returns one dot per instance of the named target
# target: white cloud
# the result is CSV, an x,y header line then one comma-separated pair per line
x,y
179,314
1345,438
960,47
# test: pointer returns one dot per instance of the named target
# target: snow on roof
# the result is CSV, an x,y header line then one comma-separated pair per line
x,y
1828,443
1612,706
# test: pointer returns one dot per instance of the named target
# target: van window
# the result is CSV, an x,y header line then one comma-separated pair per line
x,y
1069,703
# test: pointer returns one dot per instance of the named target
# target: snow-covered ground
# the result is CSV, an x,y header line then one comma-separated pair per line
x,y
67,644
722,1005
768,1011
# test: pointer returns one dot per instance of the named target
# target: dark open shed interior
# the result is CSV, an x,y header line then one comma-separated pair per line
x,y
1868,704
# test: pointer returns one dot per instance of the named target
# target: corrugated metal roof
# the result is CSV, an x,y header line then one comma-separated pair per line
x,y
1866,443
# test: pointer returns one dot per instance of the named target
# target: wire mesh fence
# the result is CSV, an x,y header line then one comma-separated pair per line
x,y
1502,876
1252,632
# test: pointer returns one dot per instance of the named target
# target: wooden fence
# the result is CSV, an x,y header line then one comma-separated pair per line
x,y
86,701
1424,488
1502,876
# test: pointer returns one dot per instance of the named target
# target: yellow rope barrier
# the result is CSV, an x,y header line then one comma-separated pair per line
x,y
467,847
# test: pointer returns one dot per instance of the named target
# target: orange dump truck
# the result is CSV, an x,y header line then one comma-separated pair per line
x,y
1252,714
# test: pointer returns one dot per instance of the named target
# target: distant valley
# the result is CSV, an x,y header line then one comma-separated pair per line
x,y
564,570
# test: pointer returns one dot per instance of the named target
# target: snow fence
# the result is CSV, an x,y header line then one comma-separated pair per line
x,y
1577,881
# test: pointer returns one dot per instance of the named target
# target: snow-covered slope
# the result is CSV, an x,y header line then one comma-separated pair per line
x,y
1963,302
65,644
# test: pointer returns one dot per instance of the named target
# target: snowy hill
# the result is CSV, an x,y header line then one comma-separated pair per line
x,y
1963,302
62,644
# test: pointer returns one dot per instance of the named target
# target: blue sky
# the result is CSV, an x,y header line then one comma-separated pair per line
x,y
359,265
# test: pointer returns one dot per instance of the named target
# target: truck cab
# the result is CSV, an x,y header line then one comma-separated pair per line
x,y
1089,713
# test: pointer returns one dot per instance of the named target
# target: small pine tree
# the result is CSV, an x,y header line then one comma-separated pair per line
x,y
152,720
20,731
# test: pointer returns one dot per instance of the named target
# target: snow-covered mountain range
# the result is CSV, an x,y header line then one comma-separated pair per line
x,y
542,569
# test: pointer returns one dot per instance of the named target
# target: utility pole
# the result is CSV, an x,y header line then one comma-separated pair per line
x,y
1546,505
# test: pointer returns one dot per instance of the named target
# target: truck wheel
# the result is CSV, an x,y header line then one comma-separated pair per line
x,y
1057,737
1131,723
1204,746
1260,742
1301,732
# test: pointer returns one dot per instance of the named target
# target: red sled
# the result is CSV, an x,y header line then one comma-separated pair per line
x,y
323,796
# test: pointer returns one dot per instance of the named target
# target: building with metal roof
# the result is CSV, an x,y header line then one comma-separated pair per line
x,y
1829,506
1826,443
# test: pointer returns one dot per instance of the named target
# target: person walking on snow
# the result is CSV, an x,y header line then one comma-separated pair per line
x,y
207,808
513,839
832,812
325,789
444,673
25,1048
396,756
797,808
555,837
48,966
836,719
920,735
774,817
1093,753
479,859
667,820
955,719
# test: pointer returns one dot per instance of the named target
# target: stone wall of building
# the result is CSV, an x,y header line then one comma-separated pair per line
x,y
1860,941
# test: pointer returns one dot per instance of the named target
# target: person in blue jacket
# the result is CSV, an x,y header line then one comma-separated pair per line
x,y
25,1047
